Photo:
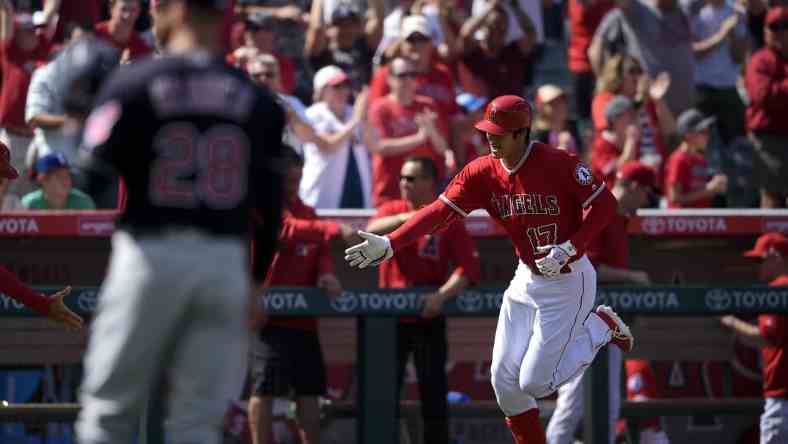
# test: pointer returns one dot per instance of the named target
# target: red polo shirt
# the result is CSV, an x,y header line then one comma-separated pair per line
x,y
429,261
17,68
774,329
691,172
767,86
303,255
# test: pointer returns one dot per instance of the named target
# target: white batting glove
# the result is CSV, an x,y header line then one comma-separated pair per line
x,y
557,257
373,251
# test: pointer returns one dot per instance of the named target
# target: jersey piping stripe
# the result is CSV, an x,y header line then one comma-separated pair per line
x,y
593,196
519,162
451,205
553,385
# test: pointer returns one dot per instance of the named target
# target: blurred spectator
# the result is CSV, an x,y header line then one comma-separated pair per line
x,y
658,35
767,113
618,143
552,125
338,176
609,253
687,182
433,79
77,12
514,29
471,142
584,19
720,46
623,75
288,355
57,192
8,201
756,19
406,124
489,64
264,69
345,41
119,30
771,335
425,263
259,38
289,28
393,30
642,386
24,42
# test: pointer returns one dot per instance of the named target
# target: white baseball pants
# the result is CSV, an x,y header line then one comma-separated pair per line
x,y
546,335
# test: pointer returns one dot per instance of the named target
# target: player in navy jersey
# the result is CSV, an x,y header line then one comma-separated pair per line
x,y
197,145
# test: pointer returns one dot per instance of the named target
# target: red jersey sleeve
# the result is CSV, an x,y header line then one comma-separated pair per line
x,y
463,253
588,191
676,172
583,184
464,192
774,329
603,156
12,286
378,115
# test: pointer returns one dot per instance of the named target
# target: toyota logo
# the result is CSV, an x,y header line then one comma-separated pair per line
x,y
718,300
470,302
345,303
653,225
87,301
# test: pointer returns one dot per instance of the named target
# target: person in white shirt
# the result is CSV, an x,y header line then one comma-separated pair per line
x,y
337,174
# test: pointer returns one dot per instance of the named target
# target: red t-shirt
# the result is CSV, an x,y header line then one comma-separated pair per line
x,y
539,202
137,47
300,259
437,84
611,246
604,155
691,172
774,329
17,68
642,386
393,120
766,81
426,263
584,18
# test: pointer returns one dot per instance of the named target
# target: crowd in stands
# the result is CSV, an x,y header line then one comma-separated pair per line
x,y
693,89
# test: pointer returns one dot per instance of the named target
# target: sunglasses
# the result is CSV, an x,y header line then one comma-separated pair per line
x,y
779,26
417,39
409,179
406,75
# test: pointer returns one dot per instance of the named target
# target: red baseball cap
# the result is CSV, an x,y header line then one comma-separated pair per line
x,y
505,114
6,170
777,14
769,243
634,171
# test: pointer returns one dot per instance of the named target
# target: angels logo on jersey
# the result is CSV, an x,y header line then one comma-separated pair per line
x,y
583,175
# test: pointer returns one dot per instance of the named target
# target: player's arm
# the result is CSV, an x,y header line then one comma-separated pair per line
x,y
617,275
52,307
462,252
747,332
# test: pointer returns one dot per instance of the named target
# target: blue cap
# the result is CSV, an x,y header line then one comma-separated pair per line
x,y
471,103
52,161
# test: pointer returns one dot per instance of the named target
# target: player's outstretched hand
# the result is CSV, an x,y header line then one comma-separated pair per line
x,y
557,257
61,314
373,251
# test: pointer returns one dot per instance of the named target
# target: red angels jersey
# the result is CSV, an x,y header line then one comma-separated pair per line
x,y
539,202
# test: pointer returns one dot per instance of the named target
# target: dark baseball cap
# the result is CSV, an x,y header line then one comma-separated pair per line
x,y
345,11
260,20
767,244
616,107
50,162
692,121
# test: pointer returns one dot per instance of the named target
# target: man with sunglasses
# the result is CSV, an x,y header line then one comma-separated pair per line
x,y
259,37
771,335
767,113
547,332
426,263
49,306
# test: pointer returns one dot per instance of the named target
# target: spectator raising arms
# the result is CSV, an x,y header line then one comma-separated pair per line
x,y
259,38
24,43
337,176
490,66
767,115
687,181
406,124
119,30
345,41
